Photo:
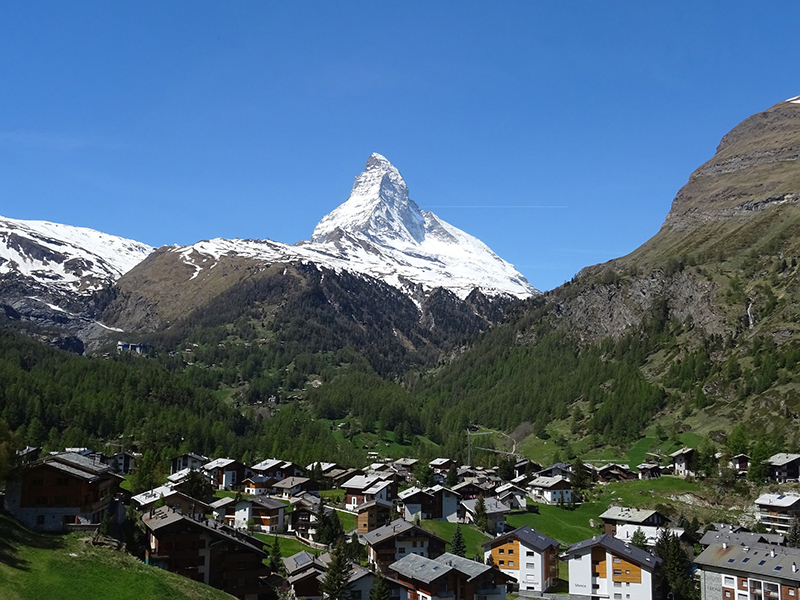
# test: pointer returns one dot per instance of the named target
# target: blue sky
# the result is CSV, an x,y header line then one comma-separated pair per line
x,y
556,132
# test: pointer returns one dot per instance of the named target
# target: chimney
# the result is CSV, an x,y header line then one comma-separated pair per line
x,y
794,567
724,545
772,553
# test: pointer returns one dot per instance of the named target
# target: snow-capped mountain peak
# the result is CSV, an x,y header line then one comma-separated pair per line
x,y
378,209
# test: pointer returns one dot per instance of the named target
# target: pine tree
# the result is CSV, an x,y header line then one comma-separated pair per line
x,y
639,539
275,559
336,582
793,537
380,588
481,518
457,544
452,476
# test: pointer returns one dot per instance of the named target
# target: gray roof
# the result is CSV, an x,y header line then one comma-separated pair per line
x,y
77,466
629,515
492,506
528,536
290,482
756,561
618,547
427,570
782,458
742,538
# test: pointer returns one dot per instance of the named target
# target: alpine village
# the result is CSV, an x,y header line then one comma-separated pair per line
x,y
389,411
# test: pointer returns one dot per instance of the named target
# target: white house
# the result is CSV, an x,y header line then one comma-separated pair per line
x,y
528,556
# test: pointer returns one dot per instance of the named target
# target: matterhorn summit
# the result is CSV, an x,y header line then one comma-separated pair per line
x,y
380,231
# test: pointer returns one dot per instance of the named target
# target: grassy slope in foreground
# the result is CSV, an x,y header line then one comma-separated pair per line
x,y
34,566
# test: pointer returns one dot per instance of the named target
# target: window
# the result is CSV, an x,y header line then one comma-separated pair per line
x,y
791,591
401,550
617,559
502,562
627,571
617,584
511,551
728,581
529,553
511,563
617,571
501,551
413,544
617,596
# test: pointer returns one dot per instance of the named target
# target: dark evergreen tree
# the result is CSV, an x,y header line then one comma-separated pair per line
x,y
481,518
380,588
336,582
197,486
424,475
793,537
452,476
639,539
580,477
276,564
457,544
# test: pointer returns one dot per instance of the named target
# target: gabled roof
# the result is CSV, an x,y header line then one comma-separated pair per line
x,y
412,491
682,451
219,463
371,503
742,538
492,506
782,458
427,570
628,515
360,482
619,548
164,517
164,491
406,462
178,476
393,529
509,487
290,482
76,465
778,500
775,562
549,482
528,536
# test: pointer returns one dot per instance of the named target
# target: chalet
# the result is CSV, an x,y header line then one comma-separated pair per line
x,y
406,463
365,488
783,467
551,490
682,461
277,469
258,485
264,515
512,496
440,465
28,454
399,538
605,567
225,473
374,514
449,576
735,572
614,472
207,552
123,463
525,467
303,518
495,512
557,470
190,460
619,515
172,497
528,556
304,572
739,463
64,489
474,487
777,511
433,503
292,486
649,471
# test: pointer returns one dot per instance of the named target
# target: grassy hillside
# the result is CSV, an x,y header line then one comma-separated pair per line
x,y
34,566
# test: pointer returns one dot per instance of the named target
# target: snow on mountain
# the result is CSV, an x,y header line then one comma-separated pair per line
x,y
379,231
66,258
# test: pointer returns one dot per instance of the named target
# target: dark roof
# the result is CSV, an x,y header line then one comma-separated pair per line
x,y
528,536
618,547
165,517
77,466
371,503
742,538
778,562
395,528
